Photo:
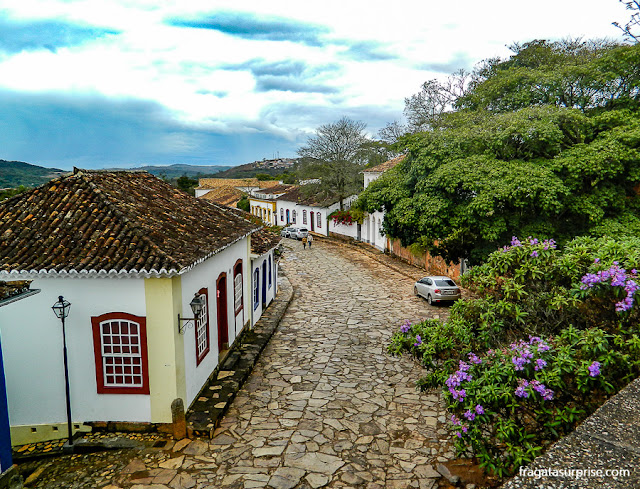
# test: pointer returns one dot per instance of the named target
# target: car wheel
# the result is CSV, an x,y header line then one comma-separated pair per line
x,y
415,291
429,300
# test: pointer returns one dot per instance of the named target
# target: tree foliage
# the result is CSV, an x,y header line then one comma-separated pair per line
x,y
546,143
336,155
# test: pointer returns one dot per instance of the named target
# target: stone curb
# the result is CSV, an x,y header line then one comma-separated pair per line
x,y
204,415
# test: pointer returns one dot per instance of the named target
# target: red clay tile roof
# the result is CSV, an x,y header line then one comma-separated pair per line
x,y
263,241
224,195
211,183
298,195
13,288
99,221
387,165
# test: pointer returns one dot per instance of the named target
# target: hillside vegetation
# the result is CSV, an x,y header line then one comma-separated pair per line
x,y
16,173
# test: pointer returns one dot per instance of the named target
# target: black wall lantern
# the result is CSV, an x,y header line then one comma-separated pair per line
x,y
196,304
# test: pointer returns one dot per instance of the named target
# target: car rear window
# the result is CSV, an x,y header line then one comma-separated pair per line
x,y
445,283
304,230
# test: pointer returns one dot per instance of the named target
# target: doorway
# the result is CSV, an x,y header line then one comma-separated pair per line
x,y
221,303
312,222
264,284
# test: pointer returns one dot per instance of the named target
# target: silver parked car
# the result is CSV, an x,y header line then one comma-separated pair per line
x,y
288,232
437,289
301,233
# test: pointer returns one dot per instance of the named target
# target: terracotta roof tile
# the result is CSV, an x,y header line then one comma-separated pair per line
x,y
387,165
224,195
211,183
297,195
263,241
13,288
112,221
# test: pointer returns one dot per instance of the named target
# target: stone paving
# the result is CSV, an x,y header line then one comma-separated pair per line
x,y
325,405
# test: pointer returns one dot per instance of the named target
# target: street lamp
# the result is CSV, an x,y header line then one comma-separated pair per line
x,y
196,304
61,310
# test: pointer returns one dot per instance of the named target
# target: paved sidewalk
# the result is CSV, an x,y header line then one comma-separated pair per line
x,y
325,406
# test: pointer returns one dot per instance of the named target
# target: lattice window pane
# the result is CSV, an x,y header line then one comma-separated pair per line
x,y
237,291
121,356
202,338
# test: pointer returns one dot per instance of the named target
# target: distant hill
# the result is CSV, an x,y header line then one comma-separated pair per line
x,y
175,171
16,173
273,168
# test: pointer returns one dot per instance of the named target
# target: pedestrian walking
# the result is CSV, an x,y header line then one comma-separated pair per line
x,y
304,243
310,240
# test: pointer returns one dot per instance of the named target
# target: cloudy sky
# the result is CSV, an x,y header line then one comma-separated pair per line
x,y
96,83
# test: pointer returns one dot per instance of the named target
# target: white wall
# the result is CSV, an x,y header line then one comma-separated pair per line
x,y
257,263
205,275
32,347
290,206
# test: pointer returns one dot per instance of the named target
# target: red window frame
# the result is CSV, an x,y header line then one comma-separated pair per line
x,y
96,322
237,270
205,316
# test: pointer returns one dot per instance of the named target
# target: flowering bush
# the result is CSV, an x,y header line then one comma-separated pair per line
x,y
547,336
342,217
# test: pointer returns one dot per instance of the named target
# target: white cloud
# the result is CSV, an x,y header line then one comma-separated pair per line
x,y
381,51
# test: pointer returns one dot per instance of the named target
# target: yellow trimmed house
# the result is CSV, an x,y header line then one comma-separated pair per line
x,y
263,202
130,253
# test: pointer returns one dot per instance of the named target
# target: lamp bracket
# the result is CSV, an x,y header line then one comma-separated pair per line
x,y
181,327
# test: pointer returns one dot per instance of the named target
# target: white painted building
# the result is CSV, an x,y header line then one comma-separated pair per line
x,y
263,203
294,208
129,261
370,231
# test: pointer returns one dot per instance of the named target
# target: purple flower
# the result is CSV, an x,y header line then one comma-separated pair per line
x,y
470,415
454,420
479,409
458,434
594,369
515,241
520,391
418,341
473,358
405,327
458,395
534,254
540,364
462,366
547,395
464,429
597,260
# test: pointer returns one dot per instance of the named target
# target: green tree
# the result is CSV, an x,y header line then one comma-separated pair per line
x,y
187,184
528,152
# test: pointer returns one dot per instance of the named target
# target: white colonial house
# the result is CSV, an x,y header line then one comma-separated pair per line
x,y
370,231
264,272
130,253
295,208
263,202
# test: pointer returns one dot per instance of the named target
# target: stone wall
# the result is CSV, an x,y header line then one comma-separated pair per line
x,y
434,265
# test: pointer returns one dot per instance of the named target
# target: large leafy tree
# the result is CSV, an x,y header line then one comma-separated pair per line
x,y
546,143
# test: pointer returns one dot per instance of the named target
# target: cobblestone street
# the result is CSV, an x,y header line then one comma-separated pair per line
x,y
325,406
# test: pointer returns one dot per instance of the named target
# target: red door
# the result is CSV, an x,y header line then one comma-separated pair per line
x,y
312,221
221,302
